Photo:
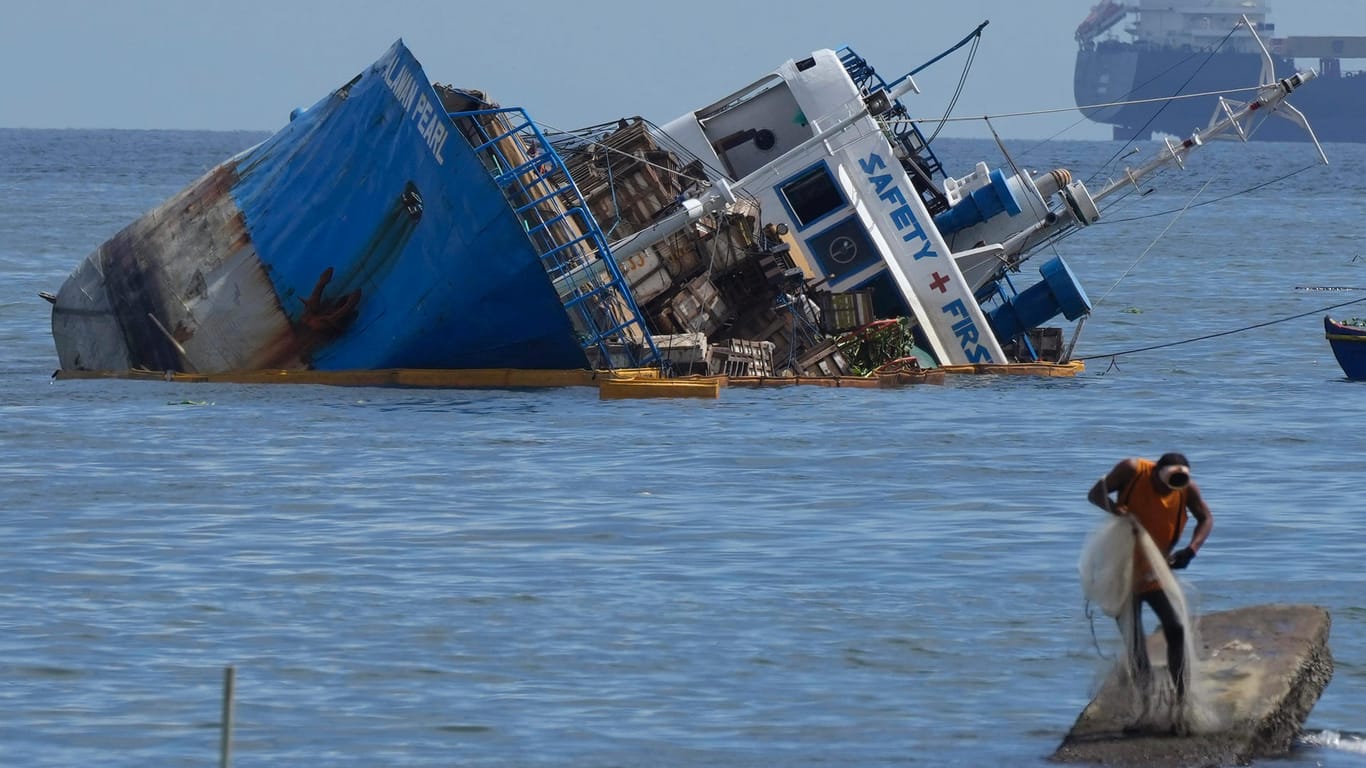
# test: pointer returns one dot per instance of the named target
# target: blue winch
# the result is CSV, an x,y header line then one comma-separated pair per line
x,y
1058,293
983,203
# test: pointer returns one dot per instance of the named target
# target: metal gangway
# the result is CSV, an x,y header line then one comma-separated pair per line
x,y
609,326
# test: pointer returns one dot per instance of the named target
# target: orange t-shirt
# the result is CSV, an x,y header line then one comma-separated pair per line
x,y
1162,513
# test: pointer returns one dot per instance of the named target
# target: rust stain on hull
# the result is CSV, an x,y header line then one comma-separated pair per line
x,y
183,289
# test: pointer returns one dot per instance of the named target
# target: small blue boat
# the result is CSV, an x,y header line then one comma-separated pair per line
x,y
1348,340
402,224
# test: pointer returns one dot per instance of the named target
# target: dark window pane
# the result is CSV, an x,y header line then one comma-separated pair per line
x,y
812,195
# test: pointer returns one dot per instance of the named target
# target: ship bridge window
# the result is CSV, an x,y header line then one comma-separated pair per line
x,y
811,195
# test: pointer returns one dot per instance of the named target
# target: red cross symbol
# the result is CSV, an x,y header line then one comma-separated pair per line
x,y
939,282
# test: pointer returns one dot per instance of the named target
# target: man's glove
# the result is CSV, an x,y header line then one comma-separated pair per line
x,y
1181,558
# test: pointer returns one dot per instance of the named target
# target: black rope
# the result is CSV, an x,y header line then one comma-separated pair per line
x,y
1058,237
962,81
1253,188
1095,641
1221,333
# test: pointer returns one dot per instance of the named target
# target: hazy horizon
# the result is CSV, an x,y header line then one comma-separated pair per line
x,y
154,64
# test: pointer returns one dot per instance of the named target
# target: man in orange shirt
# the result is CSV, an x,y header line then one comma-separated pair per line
x,y
1157,495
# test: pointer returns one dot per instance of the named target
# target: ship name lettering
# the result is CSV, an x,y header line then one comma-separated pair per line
x,y
401,81
404,85
430,126
967,332
902,216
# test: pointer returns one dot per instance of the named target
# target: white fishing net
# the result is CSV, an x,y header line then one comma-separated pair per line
x,y
1107,566
1107,573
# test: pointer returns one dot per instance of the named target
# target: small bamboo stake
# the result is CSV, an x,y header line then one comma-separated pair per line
x,y
225,743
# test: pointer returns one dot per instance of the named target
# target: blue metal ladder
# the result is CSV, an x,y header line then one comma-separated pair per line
x,y
609,326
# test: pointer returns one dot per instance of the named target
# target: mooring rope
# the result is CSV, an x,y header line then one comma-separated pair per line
x,y
1209,336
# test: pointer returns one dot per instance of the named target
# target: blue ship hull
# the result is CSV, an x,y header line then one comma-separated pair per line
x,y
398,224
1112,71
368,233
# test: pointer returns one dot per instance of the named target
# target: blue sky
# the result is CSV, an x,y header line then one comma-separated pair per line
x,y
213,64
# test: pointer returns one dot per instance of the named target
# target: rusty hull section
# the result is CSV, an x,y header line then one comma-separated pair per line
x,y
180,289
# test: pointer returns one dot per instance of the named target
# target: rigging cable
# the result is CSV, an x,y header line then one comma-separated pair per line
x,y
1059,110
1219,199
1010,261
1142,129
1155,241
958,90
1209,336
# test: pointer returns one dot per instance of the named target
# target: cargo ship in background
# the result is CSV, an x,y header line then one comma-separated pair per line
x,y
1142,53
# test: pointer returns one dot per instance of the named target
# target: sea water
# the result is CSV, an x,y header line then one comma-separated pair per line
x,y
795,577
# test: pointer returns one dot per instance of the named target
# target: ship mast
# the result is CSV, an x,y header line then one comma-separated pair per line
x,y
1271,94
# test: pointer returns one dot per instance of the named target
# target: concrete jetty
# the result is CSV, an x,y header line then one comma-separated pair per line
x,y
1263,668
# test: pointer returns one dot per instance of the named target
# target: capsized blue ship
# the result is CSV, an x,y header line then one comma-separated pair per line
x,y
801,225
378,229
